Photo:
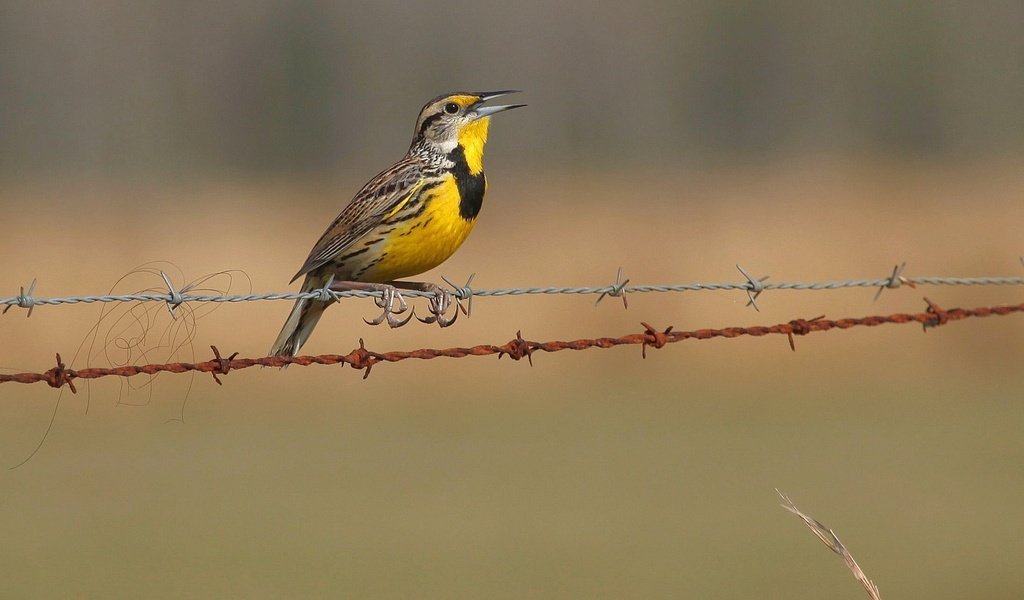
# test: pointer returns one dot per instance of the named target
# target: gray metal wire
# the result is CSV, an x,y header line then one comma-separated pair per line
x,y
753,287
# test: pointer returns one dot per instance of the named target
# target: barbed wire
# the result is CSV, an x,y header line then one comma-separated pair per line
x,y
364,359
753,287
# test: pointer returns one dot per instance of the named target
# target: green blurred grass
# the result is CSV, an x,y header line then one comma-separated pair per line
x,y
592,487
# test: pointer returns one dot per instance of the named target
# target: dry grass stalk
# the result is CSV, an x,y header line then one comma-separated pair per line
x,y
829,538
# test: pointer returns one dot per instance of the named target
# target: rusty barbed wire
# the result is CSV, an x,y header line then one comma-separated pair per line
x,y
518,348
753,287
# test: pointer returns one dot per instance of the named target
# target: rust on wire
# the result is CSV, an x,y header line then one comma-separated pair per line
x,y
60,375
363,359
518,348
223,364
801,327
654,338
941,317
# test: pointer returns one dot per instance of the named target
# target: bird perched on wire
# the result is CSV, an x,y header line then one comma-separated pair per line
x,y
407,220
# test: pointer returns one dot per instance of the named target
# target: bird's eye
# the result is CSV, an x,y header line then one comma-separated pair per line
x,y
451,108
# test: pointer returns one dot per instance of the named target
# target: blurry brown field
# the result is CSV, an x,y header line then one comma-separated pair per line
x,y
595,474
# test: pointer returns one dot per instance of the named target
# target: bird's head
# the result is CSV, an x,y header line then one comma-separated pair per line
x,y
458,119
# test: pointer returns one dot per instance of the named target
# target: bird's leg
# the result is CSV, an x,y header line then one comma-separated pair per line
x,y
438,304
389,296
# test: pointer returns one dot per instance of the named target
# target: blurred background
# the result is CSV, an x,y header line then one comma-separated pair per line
x,y
806,141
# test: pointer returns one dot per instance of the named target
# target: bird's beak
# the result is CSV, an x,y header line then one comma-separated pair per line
x,y
486,111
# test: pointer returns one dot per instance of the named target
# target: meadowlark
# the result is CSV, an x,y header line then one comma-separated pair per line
x,y
407,220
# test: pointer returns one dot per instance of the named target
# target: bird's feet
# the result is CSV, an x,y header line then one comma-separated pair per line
x,y
439,305
393,304
390,297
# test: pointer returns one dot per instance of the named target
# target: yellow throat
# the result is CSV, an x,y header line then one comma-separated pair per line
x,y
472,138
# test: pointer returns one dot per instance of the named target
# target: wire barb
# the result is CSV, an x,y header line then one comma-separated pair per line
x,y
654,338
326,294
754,289
895,280
801,327
617,290
174,297
362,359
60,375
518,348
463,292
941,316
223,364
24,300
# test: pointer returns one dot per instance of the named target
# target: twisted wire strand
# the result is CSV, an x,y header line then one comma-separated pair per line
x,y
363,359
173,297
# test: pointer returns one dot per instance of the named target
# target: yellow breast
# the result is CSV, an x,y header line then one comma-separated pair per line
x,y
420,244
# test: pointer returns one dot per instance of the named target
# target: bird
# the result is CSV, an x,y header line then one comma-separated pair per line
x,y
408,219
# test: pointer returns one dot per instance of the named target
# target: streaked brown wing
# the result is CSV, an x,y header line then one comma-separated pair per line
x,y
375,201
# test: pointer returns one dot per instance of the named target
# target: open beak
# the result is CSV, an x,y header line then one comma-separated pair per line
x,y
486,111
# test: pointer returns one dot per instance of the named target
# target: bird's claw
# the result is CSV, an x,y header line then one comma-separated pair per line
x,y
389,296
438,306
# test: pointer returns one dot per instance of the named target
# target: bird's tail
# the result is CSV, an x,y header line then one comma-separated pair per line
x,y
303,318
